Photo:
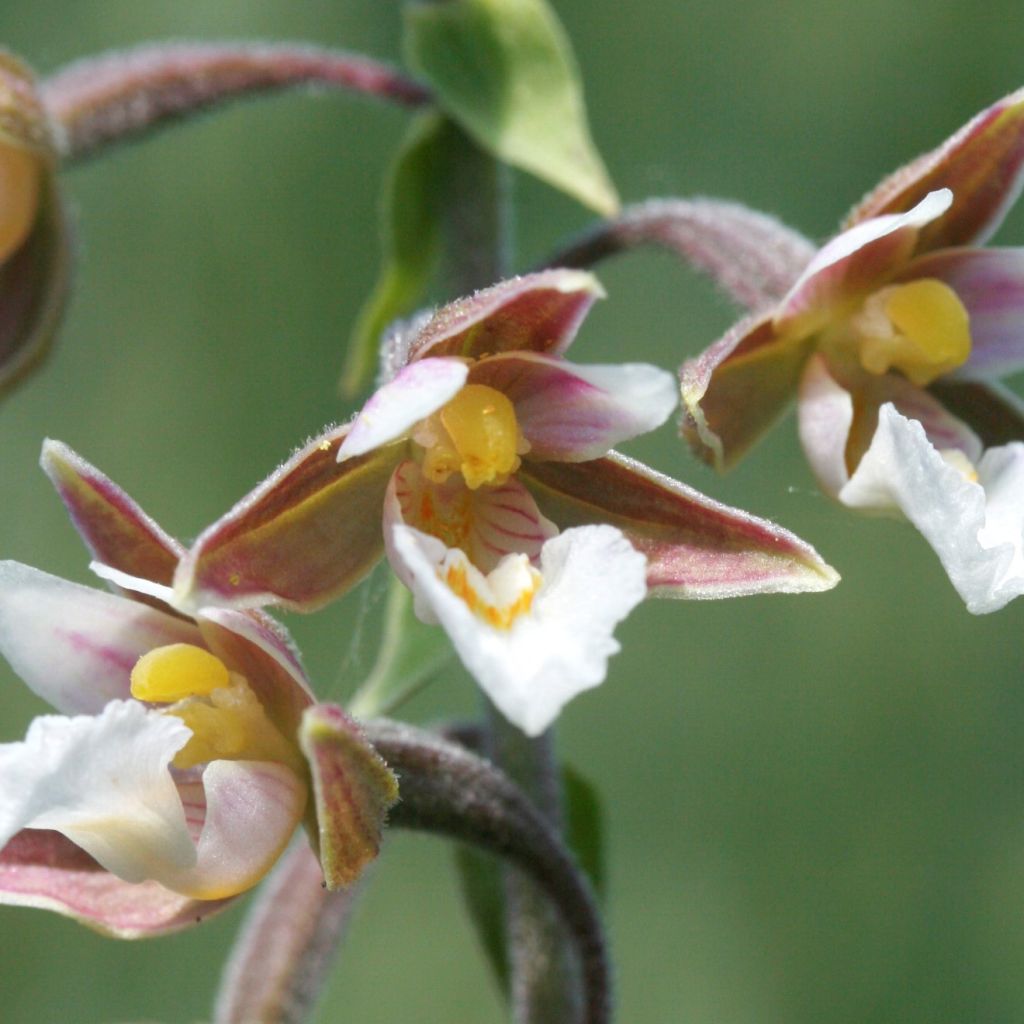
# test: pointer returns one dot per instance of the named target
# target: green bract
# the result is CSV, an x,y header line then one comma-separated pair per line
x,y
504,71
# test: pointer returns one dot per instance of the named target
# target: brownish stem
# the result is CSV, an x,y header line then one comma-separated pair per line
x,y
117,97
447,789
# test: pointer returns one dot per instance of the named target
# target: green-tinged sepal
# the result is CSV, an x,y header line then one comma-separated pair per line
x,y
505,72
410,240
411,655
352,791
34,245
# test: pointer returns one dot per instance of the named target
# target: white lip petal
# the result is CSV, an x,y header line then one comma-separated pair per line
x,y
102,781
415,392
974,527
74,646
592,578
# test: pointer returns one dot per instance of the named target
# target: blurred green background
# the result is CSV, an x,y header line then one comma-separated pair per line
x,y
815,805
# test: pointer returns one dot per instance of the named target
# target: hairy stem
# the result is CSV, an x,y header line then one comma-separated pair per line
x,y
117,97
752,257
448,790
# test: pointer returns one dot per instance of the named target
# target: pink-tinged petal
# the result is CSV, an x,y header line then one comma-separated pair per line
x,y
855,263
72,645
990,284
737,388
982,165
574,413
558,643
993,412
976,527
535,313
396,407
825,417
836,431
487,524
103,781
353,789
115,529
278,962
695,547
42,869
304,536
251,812
258,648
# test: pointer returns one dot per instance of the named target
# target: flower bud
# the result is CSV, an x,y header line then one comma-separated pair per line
x,y
34,246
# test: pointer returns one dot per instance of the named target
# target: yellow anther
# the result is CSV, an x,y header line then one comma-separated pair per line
x,y
20,180
169,674
920,328
483,439
230,723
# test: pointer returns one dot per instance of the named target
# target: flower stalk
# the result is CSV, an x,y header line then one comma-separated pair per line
x,y
447,790
117,97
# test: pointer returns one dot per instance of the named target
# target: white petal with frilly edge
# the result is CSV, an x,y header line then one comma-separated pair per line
x,y
557,642
103,782
975,527
74,646
416,391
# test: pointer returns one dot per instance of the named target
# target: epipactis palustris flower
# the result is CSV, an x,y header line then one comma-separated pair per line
x,y
186,749
887,338
34,245
481,440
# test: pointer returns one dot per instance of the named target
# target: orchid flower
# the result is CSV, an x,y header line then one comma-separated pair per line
x,y
480,441
177,768
885,338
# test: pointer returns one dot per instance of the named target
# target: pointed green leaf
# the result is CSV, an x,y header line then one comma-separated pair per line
x,y
504,70
409,215
411,655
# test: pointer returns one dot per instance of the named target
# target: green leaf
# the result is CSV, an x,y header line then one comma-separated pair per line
x,y
411,654
504,70
410,218
584,826
483,889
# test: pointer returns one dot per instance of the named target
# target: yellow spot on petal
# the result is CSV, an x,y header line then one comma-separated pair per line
x,y
920,328
956,458
20,181
169,674
515,574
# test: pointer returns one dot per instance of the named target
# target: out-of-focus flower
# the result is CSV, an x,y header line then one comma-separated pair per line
x,y
899,311
177,768
34,245
483,439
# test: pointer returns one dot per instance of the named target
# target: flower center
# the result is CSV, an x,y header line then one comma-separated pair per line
x,y
225,716
475,433
920,328
20,176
